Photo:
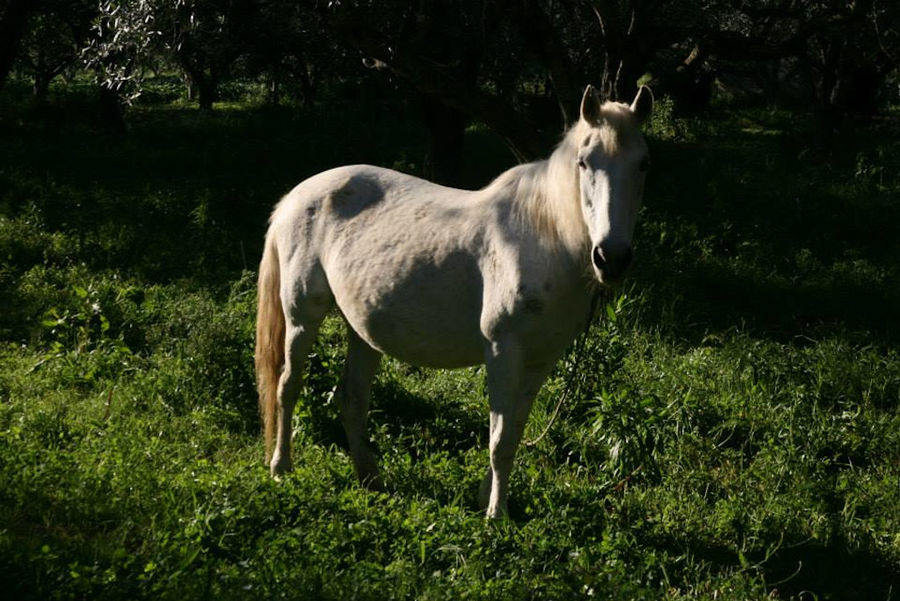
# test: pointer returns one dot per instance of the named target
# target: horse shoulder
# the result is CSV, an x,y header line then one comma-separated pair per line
x,y
503,274
533,290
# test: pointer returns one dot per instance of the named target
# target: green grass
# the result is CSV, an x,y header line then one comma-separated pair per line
x,y
732,430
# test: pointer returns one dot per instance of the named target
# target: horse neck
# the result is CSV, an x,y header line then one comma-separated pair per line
x,y
558,202
545,198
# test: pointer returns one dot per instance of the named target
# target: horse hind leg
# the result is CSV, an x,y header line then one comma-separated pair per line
x,y
352,397
303,316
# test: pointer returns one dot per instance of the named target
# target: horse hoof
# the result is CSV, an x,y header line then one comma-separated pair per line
x,y
279,468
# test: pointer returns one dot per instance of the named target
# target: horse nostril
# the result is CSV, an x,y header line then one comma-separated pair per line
x,y
597,258
612,260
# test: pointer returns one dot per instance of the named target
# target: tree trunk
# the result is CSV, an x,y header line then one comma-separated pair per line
x,y
307,85
543,40
856,89
631,69
204,85
304,73
206,93
447,130
689,85
273,91
41,86
453,82
41,78
12,26
112,110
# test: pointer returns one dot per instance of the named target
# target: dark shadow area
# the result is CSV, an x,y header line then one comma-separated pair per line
x,y
827,570
184,194
423,424
754,226
427,423
832,572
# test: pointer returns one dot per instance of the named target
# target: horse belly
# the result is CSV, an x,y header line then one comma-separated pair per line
x,y
424,342
401,257
428,315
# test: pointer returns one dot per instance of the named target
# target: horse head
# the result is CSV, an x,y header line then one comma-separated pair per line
x,y
612,162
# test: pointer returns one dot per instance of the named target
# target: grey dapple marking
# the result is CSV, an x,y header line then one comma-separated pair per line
x,y
442,277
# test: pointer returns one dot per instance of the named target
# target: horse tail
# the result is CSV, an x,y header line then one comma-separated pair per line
x,y
270,329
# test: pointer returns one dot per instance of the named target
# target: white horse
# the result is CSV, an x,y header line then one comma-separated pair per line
x,y
441,277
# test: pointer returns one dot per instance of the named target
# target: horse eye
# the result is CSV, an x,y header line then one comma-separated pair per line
x,y
581,163
645,164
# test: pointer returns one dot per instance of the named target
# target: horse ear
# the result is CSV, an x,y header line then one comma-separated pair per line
x,y
642,105
590,105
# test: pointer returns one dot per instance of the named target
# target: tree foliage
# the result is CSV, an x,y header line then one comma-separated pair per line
x,y
517,66
124,35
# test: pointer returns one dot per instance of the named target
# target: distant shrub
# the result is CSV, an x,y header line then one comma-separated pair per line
x,y
162,90
238,90
664,125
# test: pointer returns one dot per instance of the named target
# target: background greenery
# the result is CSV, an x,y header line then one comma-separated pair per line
x,y
732,430
515,67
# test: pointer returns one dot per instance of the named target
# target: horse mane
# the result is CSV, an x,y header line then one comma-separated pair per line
x,y
545,194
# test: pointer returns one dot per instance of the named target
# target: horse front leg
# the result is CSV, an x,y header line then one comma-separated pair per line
x,y
512,387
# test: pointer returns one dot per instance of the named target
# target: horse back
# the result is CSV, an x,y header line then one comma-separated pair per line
x,y
401,256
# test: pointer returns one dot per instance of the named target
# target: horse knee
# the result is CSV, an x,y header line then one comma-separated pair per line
x,y
503,449
288,391
504,442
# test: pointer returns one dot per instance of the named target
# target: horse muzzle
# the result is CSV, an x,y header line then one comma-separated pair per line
x,y
611,260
